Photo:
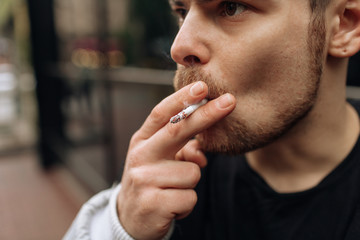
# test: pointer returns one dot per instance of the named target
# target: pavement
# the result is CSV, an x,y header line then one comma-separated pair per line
x,y
36,204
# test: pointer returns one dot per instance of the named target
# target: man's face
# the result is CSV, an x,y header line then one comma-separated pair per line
x,y
262,53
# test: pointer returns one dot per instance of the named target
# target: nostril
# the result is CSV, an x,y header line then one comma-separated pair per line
x,y
192,59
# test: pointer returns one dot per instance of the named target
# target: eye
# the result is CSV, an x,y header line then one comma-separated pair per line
x,y
232,8
181,12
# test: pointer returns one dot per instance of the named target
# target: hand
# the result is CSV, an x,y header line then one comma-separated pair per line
x,y
163,166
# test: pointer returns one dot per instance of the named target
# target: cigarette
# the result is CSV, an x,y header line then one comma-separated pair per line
x,y
187,111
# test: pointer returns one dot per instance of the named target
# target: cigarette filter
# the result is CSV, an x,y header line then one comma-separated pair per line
x,y
187,111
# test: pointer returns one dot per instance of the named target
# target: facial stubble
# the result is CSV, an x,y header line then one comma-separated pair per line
x,y
236,135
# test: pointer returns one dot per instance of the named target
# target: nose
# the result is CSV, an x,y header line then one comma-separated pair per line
x,y
190,46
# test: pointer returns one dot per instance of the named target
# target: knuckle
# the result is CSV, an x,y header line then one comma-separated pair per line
x,y
192,198
162,228
157,115
138,176
206,113
146,206
173,130
148,200
179,155
194,174
135,137
134,157
187,148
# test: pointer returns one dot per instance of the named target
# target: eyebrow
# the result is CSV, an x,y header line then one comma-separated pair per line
x,y
181,2
204,1
176,3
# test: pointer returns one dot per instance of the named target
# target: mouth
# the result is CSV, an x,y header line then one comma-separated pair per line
x,y
214,92
212,96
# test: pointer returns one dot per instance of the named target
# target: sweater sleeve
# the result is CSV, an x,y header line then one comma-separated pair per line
x,y
98,219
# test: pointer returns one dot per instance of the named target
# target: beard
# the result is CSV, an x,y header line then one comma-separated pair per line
x,y
237,135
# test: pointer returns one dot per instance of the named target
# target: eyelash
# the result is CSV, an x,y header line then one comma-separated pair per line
x,y
181,12
237,5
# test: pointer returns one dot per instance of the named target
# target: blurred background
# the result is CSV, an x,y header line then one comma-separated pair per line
x,y
77,79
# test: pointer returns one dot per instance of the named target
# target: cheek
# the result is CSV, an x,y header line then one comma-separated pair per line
x,y
265,70
259,52
268,67
266,77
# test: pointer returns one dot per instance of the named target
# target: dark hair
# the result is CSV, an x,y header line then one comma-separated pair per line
x,y
318,6
317,34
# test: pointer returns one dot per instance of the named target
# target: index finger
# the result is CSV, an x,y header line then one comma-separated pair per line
x,y
171,138
170,106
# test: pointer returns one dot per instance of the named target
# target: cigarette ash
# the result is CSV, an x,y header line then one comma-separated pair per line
x,y
187,111
178,117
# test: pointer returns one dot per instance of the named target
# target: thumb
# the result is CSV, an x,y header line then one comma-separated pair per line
x,y
192,152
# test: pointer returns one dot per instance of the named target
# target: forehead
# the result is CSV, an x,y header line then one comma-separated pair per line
x,y
270,4
181,2
206,2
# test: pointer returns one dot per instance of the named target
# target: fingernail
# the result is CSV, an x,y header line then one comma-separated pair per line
x,y
224,101
197,89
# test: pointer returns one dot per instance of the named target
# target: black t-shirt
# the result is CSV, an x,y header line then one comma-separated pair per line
x,y
234,202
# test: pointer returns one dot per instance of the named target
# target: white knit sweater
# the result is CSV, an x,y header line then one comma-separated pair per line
x,y
98,220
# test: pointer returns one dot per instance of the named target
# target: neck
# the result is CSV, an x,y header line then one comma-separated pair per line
x,y
301,158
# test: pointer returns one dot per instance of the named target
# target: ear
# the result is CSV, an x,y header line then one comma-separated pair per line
x,y
345,41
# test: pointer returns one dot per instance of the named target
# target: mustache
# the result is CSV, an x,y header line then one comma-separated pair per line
x,y
188,75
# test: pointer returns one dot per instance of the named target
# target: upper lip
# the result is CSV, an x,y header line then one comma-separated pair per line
x,y
209,98
212,96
